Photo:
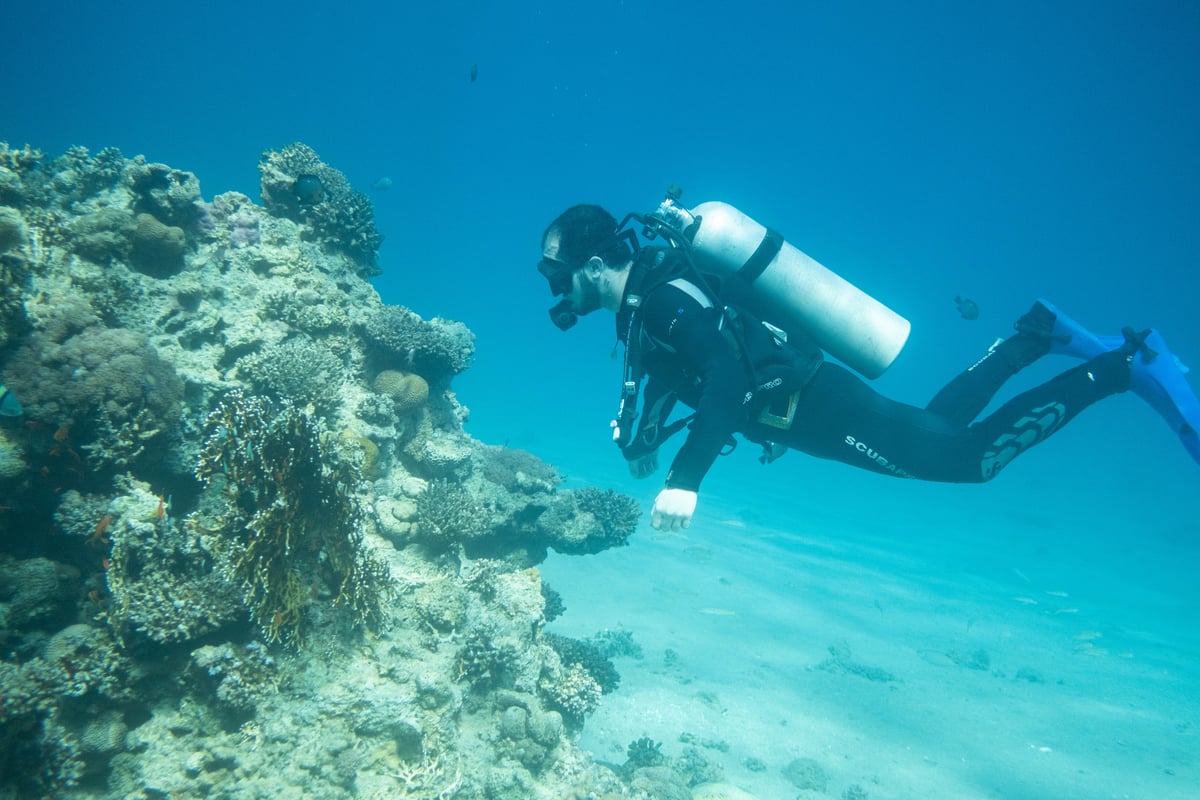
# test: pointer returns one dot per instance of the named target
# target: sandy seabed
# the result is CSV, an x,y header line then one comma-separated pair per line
x,y
1032,638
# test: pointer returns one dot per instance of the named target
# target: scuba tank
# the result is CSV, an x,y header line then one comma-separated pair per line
x,y
780,283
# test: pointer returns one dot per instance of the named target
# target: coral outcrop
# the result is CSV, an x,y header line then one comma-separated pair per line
x,y
298,185
247,548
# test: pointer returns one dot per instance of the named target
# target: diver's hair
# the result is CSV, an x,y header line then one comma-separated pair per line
x,y
585,231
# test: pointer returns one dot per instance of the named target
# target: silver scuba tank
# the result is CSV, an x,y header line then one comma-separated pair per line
x,y
785,286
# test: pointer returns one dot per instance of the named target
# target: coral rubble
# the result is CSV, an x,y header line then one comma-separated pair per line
x,y
247,548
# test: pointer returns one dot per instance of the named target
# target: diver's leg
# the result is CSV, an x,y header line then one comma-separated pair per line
x,y
963,398
839,417
1033,416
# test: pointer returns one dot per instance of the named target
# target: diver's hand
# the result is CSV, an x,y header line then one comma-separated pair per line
x,y
644,466
673,509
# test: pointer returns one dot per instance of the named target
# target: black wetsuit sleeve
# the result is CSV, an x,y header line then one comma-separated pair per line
x,y
690,341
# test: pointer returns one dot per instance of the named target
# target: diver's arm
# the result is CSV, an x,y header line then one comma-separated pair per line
x,y
691,334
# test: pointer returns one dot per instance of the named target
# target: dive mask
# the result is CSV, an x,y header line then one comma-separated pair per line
x,y
559,274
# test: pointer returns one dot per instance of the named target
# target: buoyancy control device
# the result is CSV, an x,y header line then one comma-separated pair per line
x,y
780,283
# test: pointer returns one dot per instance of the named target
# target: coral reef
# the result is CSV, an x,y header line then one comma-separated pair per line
x,y
14,278
436,349
644,752
408,391
31,590
189,549
103,391
12,462
292,523
588,656
338,216
156,249
297,370
12,228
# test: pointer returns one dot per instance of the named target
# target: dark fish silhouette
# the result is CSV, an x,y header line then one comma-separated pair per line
x,y
967,307
308,190
474,72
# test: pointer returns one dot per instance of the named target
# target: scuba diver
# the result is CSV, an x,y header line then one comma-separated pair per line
x,y
691,319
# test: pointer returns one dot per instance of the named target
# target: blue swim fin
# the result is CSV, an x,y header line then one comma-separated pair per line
x,y
1069,338
1157,375
1158,378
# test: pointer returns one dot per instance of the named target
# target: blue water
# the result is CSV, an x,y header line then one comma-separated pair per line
x,y
923,149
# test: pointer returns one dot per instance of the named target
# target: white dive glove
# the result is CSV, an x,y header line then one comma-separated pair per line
x,y
673,509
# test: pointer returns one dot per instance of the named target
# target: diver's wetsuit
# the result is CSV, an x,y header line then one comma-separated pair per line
x,y
836,414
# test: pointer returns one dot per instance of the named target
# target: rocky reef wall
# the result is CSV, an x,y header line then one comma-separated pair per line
x,y
246,547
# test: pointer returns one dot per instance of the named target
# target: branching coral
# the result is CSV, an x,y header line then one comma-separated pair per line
x,y
585,521
587,655
300,370
438,349
238,676
573,691
447,513
292,522
483,661
517,470
340,217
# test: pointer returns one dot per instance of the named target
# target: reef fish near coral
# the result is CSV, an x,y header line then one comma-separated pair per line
x,y
967,307
309,190
382,185
9,405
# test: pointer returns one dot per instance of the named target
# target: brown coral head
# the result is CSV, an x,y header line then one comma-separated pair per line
x,y
158,249
408,390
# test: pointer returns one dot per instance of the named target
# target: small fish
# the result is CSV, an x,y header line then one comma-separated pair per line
x,y
9,405
967,307
382,185
718,612
1056,593
474,72
1029,601
1087,636
309,190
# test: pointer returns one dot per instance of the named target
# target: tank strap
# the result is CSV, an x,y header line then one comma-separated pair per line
x,y
768,248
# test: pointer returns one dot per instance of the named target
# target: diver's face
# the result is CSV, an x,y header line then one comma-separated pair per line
x,y
585,293
582,291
